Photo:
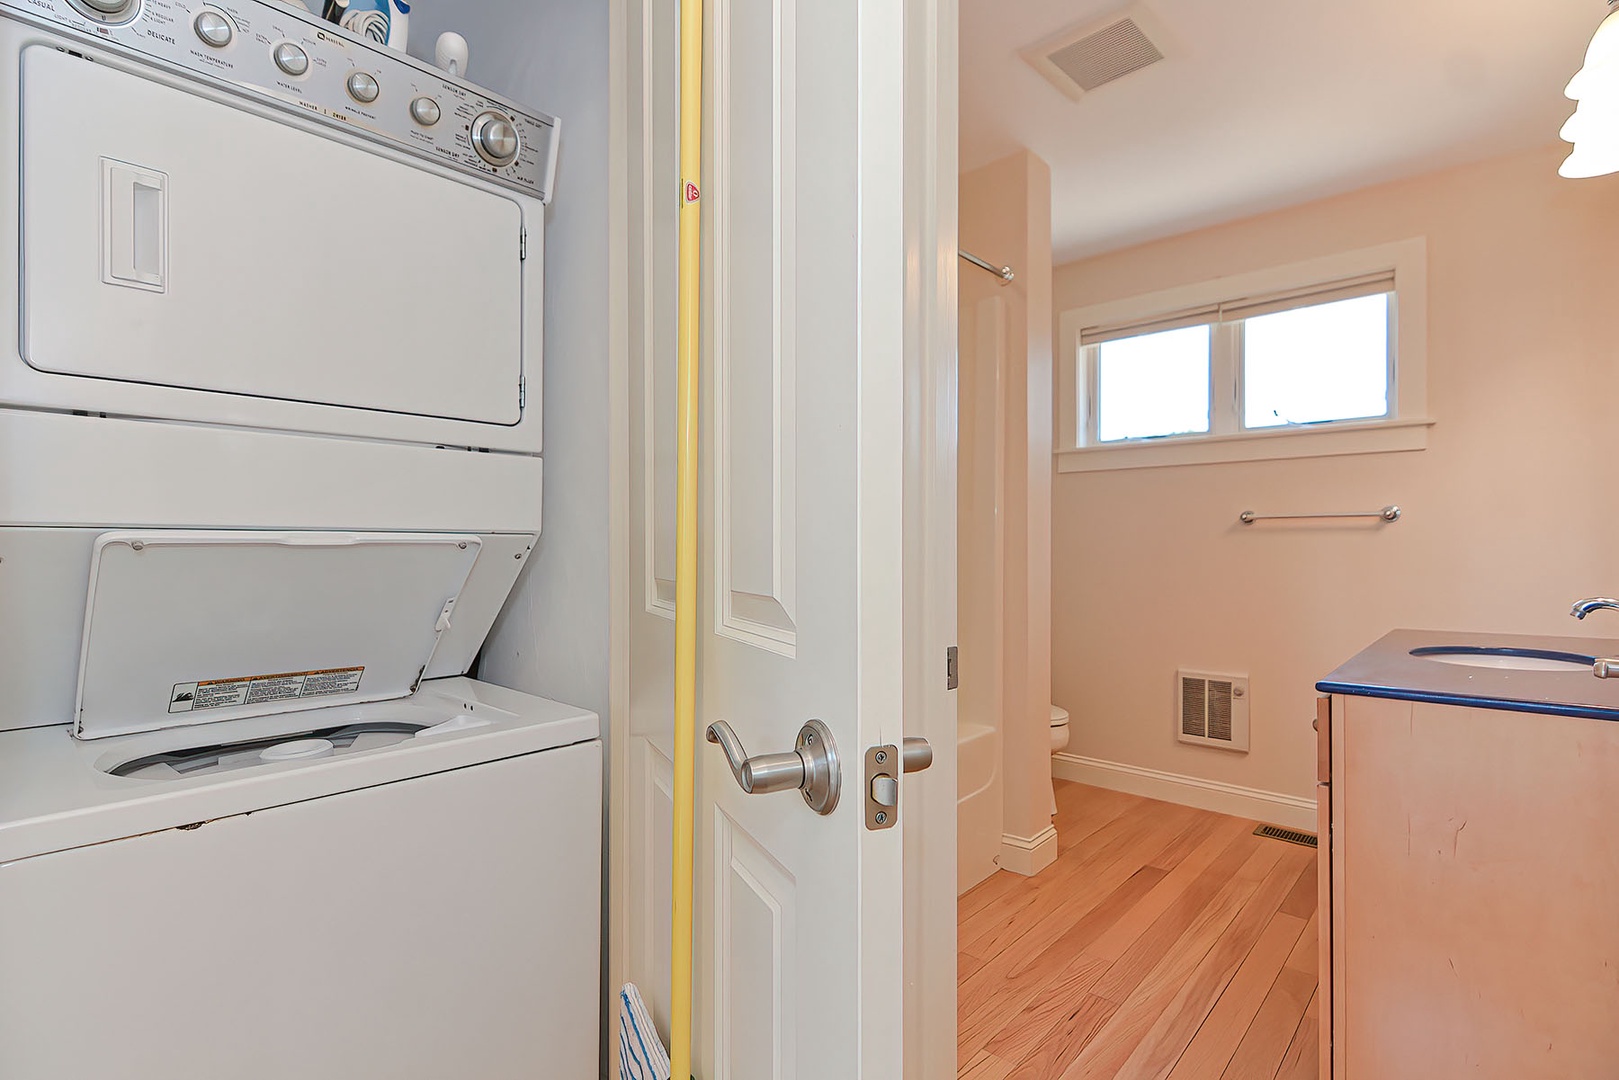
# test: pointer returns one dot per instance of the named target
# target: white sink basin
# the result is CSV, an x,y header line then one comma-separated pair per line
x,y
1505,659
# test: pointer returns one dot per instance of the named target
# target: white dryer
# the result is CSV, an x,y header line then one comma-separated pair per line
x,y
236,213
270,367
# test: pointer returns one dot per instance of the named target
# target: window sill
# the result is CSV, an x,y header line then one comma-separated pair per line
x,y
1382,437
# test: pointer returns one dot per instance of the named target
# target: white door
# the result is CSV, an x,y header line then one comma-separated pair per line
x,y
799,924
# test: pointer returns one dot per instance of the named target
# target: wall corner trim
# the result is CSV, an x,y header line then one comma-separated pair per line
x,y
1270,807
1028,855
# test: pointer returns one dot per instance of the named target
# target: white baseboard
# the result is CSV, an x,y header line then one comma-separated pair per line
x,y
1028,855
1265,806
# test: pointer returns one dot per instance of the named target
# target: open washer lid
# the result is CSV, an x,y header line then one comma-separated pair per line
x,y
192,627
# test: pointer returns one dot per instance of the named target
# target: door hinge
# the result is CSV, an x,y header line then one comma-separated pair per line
x,y
522,243
952,668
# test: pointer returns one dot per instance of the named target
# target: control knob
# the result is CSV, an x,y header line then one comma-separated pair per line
x,y
107,11
495,139
291,58
425,111
362,87
214,29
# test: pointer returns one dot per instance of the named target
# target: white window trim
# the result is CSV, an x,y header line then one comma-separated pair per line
x,y
1404,429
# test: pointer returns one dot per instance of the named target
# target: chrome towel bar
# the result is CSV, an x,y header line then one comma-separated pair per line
x,y
1003,272
1389,515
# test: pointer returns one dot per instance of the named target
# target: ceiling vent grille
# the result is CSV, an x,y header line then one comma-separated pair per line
x,y
1212,709
1082,59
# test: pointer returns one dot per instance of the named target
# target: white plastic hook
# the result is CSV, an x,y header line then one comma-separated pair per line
x,y
450,53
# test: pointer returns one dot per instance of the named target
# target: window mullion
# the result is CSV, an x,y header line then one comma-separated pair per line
x,y
1225,378
1392,379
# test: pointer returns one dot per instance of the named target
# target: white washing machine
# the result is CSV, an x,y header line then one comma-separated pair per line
x,y
396,890
270,466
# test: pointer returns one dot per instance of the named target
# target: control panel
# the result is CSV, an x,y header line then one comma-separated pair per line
x,y
294,58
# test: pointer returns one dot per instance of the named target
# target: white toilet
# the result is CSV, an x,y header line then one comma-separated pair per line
x,y
1059,741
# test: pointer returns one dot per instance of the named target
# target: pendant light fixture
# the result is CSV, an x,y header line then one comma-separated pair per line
x,y
1594,127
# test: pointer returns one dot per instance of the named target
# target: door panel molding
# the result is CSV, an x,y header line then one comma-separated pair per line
x,y
753,204
755,963
658,238
652,808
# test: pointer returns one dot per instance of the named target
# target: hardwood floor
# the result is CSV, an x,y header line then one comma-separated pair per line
x,y
1164,944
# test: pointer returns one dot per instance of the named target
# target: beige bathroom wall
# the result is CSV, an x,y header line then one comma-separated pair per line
x,y
1005,506
1511,512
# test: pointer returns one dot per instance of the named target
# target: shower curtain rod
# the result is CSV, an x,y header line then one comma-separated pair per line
x,y
1002,272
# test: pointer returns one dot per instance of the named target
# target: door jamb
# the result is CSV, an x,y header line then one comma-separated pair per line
x,y
616,790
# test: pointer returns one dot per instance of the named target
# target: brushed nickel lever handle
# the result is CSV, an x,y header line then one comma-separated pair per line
x,y
811,767
760,775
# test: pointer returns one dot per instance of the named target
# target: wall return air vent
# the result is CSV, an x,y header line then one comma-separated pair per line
x,y
1212,710
1089,56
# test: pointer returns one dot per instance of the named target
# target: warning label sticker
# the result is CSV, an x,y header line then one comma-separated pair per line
x,y
256,689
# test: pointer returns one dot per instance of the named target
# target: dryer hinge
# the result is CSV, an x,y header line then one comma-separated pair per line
x,y
522,243
522,394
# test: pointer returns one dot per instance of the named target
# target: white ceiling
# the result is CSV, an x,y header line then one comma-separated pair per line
x,y
1265,103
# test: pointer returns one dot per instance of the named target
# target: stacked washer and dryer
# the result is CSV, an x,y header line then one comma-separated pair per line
x,y
270,358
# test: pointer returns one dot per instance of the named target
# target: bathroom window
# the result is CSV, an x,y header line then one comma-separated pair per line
x,y
1318,364
1302,361
1153,384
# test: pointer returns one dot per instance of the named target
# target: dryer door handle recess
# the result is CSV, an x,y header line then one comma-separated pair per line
x,y
135,223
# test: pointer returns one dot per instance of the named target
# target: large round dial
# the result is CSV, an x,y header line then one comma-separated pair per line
x,y
495,138
107,11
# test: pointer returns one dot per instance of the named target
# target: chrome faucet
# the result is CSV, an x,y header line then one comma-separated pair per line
x,y
1602,669
1585,607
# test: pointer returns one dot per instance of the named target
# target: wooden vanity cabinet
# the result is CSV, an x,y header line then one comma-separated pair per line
x,y
1323,863
1469,866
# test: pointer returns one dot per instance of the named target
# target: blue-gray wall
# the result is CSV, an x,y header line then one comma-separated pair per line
x,y
553,56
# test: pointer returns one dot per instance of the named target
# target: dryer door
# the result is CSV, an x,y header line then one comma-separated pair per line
x,y
177,241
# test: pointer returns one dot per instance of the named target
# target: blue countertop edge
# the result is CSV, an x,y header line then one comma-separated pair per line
x,y
1388,669
1542,708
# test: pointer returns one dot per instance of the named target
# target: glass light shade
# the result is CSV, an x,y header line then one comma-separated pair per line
x,y
1594,82
1591,159
1594,127
1594,121
1601,71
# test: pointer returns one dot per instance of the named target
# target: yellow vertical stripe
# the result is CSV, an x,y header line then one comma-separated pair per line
x,y
691,162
